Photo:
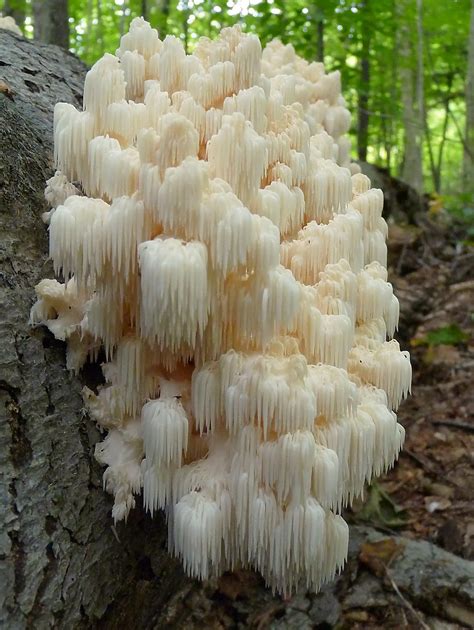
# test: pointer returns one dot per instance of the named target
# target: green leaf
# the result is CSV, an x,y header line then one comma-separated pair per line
x,y
380,509
450,335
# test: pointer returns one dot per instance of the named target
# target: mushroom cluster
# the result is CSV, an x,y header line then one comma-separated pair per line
x,y
227,261
8,24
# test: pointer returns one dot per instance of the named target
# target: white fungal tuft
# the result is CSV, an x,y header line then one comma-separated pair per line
x,y
231,261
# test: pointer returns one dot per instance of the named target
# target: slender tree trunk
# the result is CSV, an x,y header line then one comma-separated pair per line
x,y
431,157
122,18
15,9
145,9
165,11
468,155
436,163
439,162
387,142
321,39
185,25
51,22
364,89
100,30
393,97
318,20
89,40
420,87
412,91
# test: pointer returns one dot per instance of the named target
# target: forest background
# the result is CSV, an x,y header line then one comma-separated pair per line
x,y
407,67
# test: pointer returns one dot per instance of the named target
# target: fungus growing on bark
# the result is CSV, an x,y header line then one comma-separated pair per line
x,y
8,24
230,260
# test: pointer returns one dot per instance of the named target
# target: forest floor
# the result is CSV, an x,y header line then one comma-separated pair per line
x,y
429,493
426,497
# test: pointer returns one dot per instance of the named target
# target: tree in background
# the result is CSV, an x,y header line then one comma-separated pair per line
x,y
16,9
404,63
51,22
468,153
364,89
411,76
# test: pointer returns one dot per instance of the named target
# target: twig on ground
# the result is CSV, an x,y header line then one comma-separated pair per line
x,y
422,461
405,602
401,259
457,424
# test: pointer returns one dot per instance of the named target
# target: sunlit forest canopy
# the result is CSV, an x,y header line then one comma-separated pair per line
x,y
406,65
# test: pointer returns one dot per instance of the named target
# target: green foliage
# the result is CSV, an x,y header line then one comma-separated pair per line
x,y
351,30
379,509
450,335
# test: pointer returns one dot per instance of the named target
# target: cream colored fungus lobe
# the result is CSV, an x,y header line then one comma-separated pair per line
x,y
231,261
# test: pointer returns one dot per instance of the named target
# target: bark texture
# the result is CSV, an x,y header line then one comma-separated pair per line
x,y
62,564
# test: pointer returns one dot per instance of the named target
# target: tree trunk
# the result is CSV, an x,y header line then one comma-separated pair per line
x,y
437,173
364,88
51,22
100,28
163,21
363,117
89,39
16,9
412,93
318,20
62,563
468,155
320,53
393,97
122,18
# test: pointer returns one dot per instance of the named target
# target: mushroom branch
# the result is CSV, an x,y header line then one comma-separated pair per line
x,y
227,259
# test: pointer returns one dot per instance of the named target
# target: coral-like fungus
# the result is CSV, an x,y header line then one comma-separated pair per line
x,y
230,261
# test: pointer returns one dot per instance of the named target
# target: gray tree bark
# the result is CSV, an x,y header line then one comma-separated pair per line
x,y
411,75
62,564
468,156
363,116
51,22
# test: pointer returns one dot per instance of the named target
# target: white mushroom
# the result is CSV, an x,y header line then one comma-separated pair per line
x,y
231,261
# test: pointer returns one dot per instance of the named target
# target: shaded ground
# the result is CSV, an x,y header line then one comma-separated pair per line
x,y
433,274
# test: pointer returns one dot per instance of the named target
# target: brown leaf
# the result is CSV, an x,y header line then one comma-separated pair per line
x,y
443,354
378,555
238,584
400,235
6,89
357,615
231,586
436,504
440,490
